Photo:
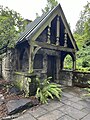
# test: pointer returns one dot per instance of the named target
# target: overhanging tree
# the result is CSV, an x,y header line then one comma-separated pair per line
x,y
11,25
82,36
50,5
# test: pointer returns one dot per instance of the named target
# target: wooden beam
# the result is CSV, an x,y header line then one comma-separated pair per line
x,y
66,26
41,28
53,47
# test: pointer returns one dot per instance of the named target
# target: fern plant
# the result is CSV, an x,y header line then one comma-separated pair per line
x,y
46,89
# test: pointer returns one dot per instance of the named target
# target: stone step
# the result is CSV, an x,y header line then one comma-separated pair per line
x,y
15,106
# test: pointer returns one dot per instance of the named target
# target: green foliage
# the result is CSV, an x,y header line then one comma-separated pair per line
x,y
11,24
82,37
85,64
83,20
50,5
80,25
46,89
82,32
83,58
68,62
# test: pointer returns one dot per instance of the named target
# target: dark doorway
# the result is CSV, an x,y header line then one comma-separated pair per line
x,y
51,68
38,61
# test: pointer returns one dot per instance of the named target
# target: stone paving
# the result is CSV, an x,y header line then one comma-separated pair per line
x,y
71,107
13,106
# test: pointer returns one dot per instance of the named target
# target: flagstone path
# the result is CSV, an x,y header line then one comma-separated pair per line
x,y
71,107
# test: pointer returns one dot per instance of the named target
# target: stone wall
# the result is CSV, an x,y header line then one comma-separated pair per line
x,y
74,78
80,78
7,67
66,77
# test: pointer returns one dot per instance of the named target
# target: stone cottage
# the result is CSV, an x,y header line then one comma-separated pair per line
x,y
42,47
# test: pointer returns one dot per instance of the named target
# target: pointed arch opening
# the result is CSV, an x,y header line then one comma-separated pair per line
x,y
68,62
24,60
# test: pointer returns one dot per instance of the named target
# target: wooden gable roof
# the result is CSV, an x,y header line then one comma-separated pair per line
x,y
36,25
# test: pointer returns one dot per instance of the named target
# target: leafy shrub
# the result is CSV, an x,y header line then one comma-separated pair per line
x,y
46,89
85,64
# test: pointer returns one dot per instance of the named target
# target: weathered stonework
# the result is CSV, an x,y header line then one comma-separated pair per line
x,y
8,65
81,78
74,78
66,77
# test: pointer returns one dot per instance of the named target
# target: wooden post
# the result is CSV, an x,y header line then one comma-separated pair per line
x,y
58,31
45,64
17,54
48,39
74,63
65,38
74,67
57,66
31,59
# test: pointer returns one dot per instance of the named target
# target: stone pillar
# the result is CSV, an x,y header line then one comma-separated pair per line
x,y
58,31
6,66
